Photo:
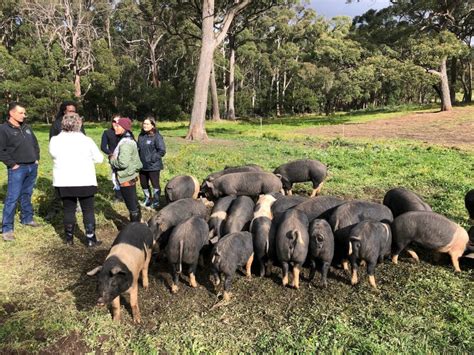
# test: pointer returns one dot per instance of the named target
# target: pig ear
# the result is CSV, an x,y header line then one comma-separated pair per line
x,y
94,271
116,270
279,176
209,184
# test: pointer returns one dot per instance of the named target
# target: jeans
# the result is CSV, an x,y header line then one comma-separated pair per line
x,y
21,182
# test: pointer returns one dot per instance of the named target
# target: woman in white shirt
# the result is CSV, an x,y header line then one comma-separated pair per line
x,y
74,177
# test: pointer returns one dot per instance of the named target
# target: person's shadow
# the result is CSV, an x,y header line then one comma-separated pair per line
x,y
51,211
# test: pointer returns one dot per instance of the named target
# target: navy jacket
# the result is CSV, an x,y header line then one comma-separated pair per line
x,y
151,149
18,145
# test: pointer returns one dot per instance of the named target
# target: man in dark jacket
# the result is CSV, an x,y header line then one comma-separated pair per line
x,y
19,151
65,108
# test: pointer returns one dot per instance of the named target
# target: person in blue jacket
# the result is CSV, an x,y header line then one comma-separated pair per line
x,y
151,148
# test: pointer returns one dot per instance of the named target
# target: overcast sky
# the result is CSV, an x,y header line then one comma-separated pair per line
x,y
331,8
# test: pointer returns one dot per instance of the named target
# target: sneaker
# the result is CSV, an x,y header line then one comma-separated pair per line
x,y
8,236
32,224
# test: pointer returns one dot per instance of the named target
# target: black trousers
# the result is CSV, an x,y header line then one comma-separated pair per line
x,y
129,194
87,206
153,176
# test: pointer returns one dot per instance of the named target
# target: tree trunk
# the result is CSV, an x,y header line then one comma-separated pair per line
x,y
454,75
197,130
155,81
215,99
466,80
445,96
77,86
231,89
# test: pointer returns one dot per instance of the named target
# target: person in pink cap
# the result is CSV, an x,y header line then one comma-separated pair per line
x,y
126,165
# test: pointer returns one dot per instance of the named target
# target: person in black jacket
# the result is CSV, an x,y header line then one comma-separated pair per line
x,y
108,143
65,108
19,151
151,148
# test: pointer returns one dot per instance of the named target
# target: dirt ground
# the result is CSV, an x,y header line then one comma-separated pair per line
x,y
453,129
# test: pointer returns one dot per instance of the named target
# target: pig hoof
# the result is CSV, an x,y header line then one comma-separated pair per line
x,y
194,284
137,320
227,296
174,289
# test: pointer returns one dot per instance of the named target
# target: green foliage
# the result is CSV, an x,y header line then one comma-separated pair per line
x,y
48,303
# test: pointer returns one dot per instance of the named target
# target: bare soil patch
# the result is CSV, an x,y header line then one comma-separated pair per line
x,y
454,128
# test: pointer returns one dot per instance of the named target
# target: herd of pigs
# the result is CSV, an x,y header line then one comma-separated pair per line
x,y
256,219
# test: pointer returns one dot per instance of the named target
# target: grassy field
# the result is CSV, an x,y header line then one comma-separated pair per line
x,y
47,303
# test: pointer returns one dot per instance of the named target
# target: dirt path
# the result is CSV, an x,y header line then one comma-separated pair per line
x,y
454,128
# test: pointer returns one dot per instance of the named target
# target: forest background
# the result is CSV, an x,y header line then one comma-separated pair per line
x,y
255,58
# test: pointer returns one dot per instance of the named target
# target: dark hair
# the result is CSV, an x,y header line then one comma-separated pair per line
x,y
63,106
12,105
153,123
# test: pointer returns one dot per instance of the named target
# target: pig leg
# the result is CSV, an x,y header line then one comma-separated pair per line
x,y
145,270
316,189
227,286
324,280
414,255
371,271
116,309
289,192
175,278
345,265
261,267
284,267
268,268
215,279
296,276
192,277
248,267
398,246
456,247
134,303
312,269
355,267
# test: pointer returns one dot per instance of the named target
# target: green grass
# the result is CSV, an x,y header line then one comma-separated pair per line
x,y
47,303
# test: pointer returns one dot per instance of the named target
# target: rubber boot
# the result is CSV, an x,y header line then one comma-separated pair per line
x,y
136,216
69,233
147,201
90,235
156,199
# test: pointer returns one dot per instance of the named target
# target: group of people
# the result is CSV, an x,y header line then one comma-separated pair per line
x,y
74,157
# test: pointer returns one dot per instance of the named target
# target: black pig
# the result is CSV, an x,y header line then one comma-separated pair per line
x,y
184,245
369,241
181,186
173,214
246,183
234,169
301,171
431,231
284,203
239,215
128,258
319,206
401,200
346,216
292,244
321,248
232,251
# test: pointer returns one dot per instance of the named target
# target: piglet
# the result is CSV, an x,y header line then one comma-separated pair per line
x,y
292,244
231,252
431,231
128,258
370,241
184,245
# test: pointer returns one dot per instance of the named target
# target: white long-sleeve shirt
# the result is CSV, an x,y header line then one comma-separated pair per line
x,y
74,156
